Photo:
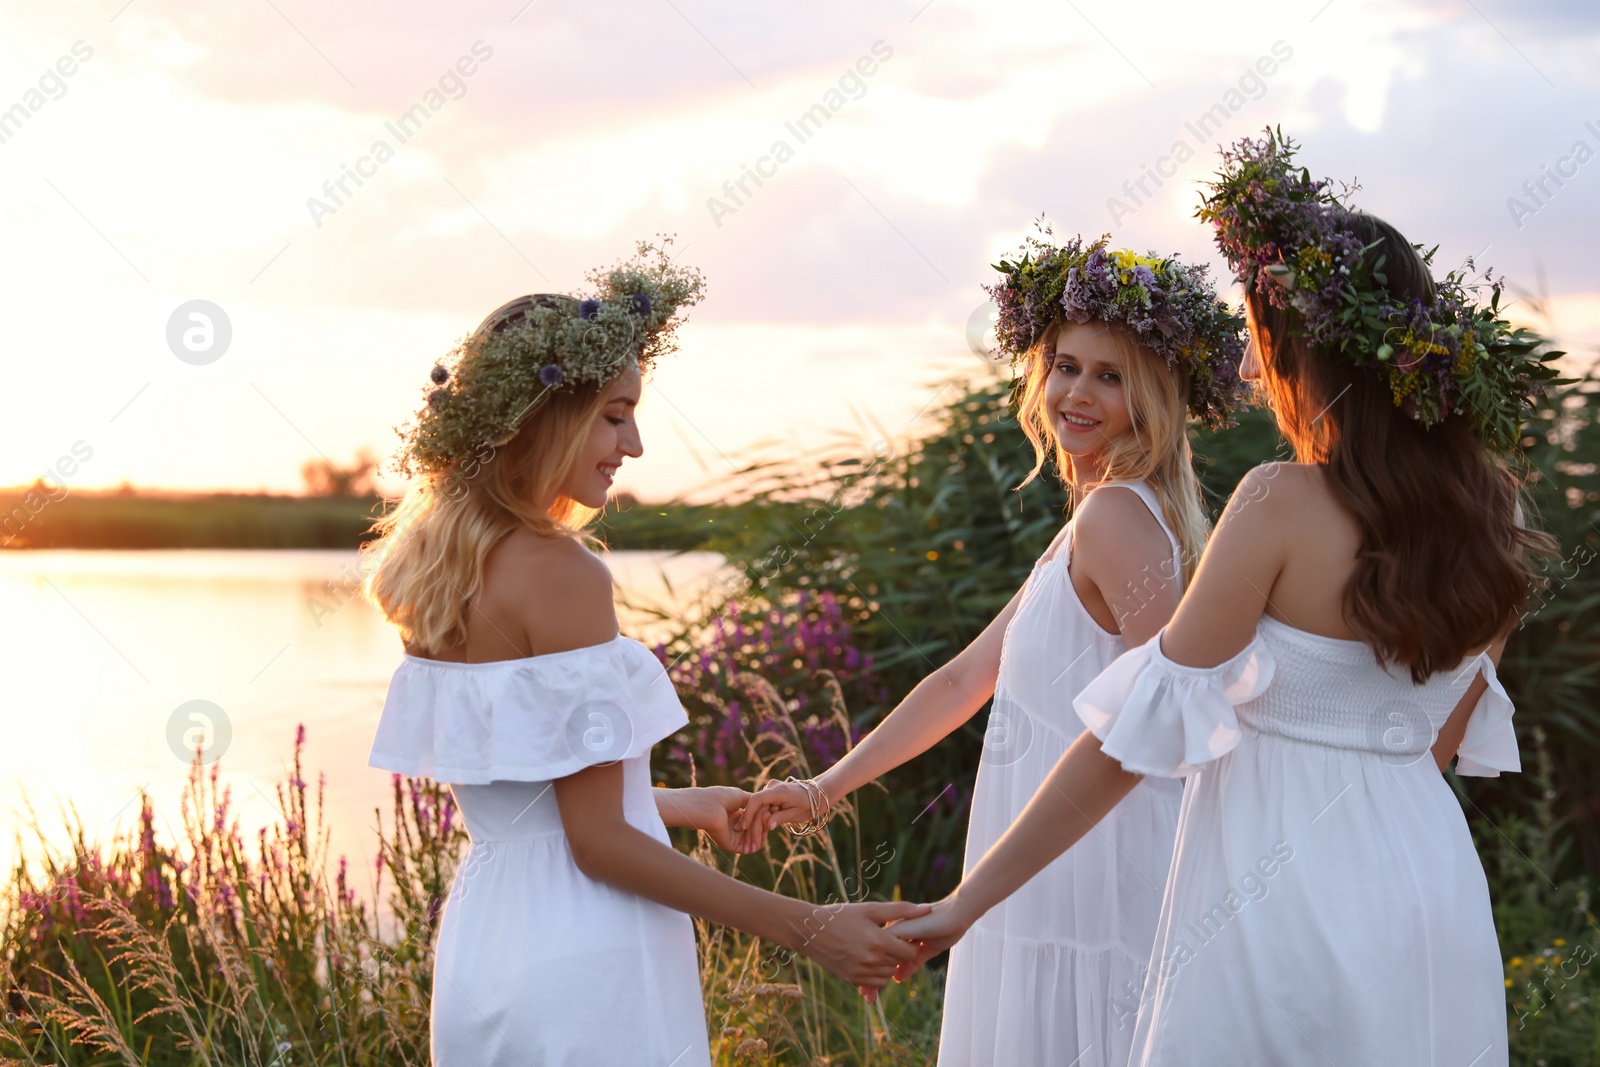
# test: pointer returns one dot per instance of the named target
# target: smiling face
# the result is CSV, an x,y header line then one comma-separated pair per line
x,y
613,435
1084,394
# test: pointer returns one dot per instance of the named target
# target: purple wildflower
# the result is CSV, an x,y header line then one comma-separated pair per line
x,y
1170,307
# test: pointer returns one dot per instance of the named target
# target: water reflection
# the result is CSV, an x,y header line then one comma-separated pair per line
x,y
113,659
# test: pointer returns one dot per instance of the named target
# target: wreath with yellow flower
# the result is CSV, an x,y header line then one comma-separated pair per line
x,y
1288,237
1170,307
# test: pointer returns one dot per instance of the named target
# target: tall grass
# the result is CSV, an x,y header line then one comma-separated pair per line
x,y
1549,937
866,571
769,1006
216,949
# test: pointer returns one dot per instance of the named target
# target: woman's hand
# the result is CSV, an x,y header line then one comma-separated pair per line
x,y
778,803
722,804
711,810
850,940
945,924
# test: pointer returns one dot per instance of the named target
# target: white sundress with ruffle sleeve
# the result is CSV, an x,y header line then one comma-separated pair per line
x,y
536,963
1325,903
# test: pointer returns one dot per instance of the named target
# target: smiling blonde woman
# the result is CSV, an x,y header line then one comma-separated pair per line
x,y
1113,348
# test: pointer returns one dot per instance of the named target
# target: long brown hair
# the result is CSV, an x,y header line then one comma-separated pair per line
x,y
1156,452
1443,565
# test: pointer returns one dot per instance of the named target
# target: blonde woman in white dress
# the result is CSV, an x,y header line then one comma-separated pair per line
x,y
1335,651
566,939
1053,976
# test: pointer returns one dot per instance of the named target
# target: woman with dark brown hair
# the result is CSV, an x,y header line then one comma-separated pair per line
x,y
1335,651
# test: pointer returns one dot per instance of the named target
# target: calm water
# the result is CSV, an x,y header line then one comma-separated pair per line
x,y
105,651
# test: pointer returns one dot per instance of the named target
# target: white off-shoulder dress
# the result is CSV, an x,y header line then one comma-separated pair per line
x,y
1325,903
1052,975
537,963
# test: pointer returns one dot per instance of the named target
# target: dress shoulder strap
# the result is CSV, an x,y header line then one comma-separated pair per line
x,y
1148,495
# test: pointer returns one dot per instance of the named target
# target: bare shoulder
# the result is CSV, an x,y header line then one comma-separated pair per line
x,y
1290,475
1289,514
1114,521
558,591
1260,511
524,557
1308,495
1303,476
1116,509
1283,488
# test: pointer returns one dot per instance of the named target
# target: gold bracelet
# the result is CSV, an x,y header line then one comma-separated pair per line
x,y
817,797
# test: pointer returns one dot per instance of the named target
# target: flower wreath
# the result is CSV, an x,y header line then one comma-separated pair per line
x,y
539,344
1168,306
1289,239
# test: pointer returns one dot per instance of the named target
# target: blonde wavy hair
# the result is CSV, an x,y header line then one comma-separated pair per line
x,y
1156,452
426,565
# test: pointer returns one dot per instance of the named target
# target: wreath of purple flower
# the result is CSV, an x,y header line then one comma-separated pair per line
x,y
538,344
1289,238
1169,307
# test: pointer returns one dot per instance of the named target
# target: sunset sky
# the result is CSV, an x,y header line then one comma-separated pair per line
x,y
195,153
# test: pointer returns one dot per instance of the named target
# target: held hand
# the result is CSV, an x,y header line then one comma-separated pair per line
x,y
711,809
850,941
778,803
725,805
933,933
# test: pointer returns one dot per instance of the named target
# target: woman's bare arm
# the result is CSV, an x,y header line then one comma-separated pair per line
x,y
1214,622
1233,584
1120,553
938,704
1121,558
709,809
847,939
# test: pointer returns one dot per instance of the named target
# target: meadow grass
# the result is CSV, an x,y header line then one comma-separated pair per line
x,y
220,950
865,572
